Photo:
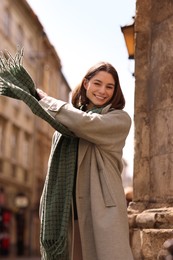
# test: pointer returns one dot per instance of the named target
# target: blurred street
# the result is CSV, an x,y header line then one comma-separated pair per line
x,y
20,258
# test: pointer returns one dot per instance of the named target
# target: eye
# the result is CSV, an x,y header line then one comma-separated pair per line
x,y
97,83
110,87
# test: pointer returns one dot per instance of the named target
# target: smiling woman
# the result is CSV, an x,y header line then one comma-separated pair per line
x,y
83,187
99,86
100,89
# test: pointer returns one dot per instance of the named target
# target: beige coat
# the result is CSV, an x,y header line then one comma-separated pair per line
x,y
101,203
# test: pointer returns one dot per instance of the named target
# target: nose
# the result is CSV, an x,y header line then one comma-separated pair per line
x,y
102,89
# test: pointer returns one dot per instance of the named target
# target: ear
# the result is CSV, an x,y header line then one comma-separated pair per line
x,y
85,83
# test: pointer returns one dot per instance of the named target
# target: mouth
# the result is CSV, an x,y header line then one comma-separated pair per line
x,y
100,97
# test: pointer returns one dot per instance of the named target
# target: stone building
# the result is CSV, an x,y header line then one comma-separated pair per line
x,y
151,212
24,138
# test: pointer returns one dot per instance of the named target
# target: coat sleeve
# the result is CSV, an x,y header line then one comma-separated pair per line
x,y
93,127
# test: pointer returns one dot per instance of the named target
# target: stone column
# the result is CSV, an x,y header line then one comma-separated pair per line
x,y
151,212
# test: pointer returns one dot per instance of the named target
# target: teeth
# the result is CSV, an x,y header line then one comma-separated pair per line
x,y
99,97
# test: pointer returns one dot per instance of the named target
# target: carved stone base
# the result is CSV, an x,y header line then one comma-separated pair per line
x,y
149,230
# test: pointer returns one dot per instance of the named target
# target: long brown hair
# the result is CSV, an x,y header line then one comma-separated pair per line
x,y
79,97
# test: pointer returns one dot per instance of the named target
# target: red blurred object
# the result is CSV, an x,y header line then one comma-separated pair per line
x,y
6,217
5,221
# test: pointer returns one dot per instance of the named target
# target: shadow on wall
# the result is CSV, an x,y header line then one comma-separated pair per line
x,y
166,252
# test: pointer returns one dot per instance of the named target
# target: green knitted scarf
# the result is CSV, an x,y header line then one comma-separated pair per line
x,y
16,83
57,198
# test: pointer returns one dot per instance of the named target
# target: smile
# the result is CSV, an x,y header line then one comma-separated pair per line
x,y
99,97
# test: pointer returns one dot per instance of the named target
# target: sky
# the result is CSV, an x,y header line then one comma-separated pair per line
x,y
84,32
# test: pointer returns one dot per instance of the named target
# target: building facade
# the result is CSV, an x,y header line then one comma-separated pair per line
x,y
24,138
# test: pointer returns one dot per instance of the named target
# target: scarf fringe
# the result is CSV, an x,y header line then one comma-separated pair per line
x,y
12,71
54,250
8,62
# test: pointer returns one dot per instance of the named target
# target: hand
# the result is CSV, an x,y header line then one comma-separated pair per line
x,y
41,93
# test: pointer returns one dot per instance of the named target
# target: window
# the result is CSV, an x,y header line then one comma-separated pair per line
x,y
26,150
1,166
40,156
29,49
14,143
25,175
7,23
2,135
20,36
41,75
14,171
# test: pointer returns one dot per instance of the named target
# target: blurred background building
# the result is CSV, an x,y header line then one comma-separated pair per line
x,y
24,138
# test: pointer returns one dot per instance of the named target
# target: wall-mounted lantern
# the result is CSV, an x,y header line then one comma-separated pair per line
x,y
21,201
128,32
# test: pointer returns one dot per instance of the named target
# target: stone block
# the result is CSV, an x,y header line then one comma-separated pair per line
x,y
136,244
161,182
141,168
152,241
143,18
142,58
161,10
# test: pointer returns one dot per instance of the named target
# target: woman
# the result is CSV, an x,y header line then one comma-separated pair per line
x,y
98,211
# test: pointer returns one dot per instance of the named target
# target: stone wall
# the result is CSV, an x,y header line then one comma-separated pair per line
x,y
151,212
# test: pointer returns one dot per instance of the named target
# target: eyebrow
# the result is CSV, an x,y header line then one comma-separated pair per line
x,y
110,84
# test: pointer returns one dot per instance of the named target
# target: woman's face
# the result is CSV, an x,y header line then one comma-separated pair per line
x,y
99,89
